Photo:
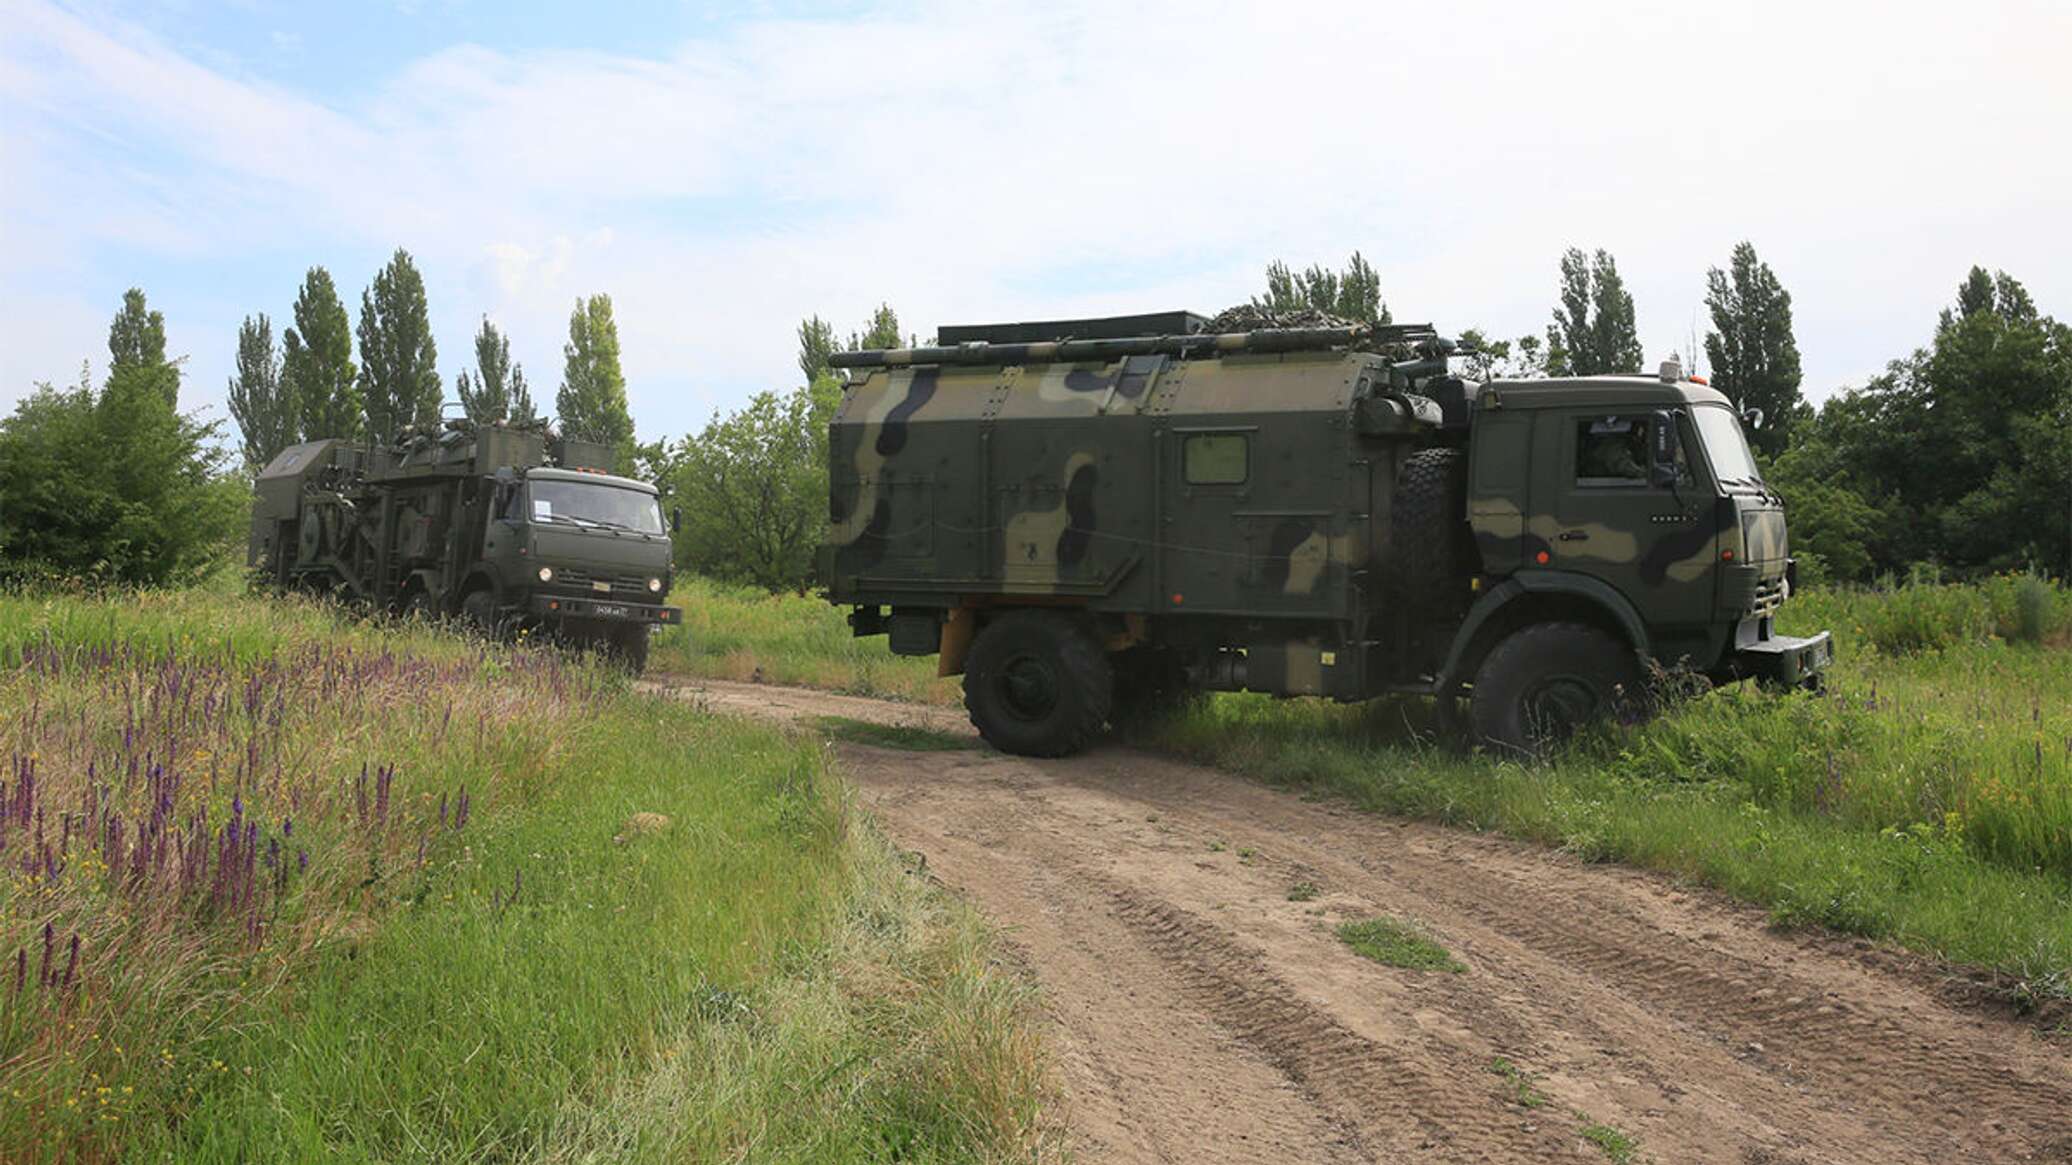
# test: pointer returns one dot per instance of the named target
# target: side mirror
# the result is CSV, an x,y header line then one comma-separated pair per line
x,y
1662,449
676,519
1752,417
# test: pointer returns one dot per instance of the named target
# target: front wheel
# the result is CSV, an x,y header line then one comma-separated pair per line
x,y
1038,684
1545,682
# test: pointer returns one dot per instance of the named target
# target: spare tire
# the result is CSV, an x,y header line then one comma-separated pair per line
x,y
1431,550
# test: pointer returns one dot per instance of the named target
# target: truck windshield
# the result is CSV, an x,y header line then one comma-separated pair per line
x,y
593,504
1720,430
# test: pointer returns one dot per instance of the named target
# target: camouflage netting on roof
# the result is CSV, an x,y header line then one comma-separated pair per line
x,y
1248,317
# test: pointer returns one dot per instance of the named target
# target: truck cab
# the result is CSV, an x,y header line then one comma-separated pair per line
x,y
1640,494
574,547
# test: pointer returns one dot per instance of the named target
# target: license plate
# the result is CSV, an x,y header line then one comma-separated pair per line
x,y
611,610
602,588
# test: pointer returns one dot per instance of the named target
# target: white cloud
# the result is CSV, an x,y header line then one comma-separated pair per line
x,y
969,161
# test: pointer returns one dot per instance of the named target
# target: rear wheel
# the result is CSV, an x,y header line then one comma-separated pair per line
x,y
1546,681
1037,683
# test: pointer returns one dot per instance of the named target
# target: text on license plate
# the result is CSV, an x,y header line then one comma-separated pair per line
x,y
610,609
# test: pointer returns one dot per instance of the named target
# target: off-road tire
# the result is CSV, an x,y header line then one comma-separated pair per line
x,y
1545,681
1431,549
419,603
478,611
1038,684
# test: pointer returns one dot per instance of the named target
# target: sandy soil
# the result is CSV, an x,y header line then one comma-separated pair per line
x,y
1201,1016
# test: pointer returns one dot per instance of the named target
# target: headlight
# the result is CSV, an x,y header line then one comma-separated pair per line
x,y
546,574
655,585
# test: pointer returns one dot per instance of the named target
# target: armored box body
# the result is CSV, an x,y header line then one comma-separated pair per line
x,y
1194,491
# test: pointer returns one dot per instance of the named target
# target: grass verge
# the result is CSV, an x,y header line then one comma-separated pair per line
x,y
742,633
373,893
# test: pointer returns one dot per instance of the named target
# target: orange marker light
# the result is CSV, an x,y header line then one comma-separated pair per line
x,y
1697,380
1178,598
1726,556
1542,557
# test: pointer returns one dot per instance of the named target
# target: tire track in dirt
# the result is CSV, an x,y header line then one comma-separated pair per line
x,y
1199,1015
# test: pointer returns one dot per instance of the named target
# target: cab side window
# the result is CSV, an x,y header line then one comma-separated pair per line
x,y
1216,458
1612,451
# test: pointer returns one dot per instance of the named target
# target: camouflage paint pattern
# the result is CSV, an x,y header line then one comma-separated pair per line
x,y
961,485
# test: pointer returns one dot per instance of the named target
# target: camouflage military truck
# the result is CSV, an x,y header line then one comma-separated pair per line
x,y
502,525
1090,517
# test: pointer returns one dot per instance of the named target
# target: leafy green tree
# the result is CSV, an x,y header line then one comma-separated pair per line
x,y
883,332
753,489
399,373
816,344
1593,330
266,414
136,344
497,391
1965,447
1353,294
1753,354
1487,359
591,403
318,377
115,486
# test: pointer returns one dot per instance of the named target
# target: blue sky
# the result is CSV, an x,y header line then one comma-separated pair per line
x,y
724,170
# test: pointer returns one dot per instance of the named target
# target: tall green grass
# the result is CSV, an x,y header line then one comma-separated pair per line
x,y
742,633
542,977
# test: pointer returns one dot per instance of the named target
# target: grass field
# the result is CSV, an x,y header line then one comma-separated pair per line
x,y
1926,798
741,633
275,885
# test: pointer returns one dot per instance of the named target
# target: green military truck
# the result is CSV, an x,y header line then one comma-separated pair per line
x,y
502,525
1089,517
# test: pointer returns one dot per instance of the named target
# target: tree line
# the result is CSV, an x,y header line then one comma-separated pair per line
x,y
112,482
1959,454
309,387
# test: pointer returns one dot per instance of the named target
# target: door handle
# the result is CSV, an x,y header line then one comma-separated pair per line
x,y
1574,536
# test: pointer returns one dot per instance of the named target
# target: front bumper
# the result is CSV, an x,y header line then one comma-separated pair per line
x,y
1782,659
608,610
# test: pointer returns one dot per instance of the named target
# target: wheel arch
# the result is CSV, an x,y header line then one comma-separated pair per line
x,y
1540,597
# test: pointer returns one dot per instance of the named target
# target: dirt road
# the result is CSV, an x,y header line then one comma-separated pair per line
x,y
1202,1016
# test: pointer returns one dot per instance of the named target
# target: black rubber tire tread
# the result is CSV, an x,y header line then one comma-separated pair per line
x,y
1086,688
419,603
1431,548
478,611
1497,714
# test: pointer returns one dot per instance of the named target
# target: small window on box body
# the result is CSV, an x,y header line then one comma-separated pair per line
x,y
1217,458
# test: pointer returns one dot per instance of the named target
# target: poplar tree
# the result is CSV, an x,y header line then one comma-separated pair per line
x,y
1353,294
591,402
136,347
318,377
1754,357
816,344
497,391
1593,330
267,419
399,376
